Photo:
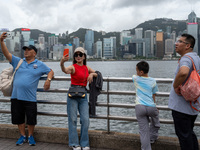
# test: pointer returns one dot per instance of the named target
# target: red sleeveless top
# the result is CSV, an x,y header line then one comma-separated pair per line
x,y
80,76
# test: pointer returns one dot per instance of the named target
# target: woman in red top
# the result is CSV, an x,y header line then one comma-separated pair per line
x,y
80,75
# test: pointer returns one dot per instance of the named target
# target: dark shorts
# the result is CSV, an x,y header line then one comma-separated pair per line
x,y
20,109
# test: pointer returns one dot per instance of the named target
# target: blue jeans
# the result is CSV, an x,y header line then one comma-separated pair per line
x,y
80,104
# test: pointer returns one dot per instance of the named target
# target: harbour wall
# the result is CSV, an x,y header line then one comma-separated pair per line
x,y
98,139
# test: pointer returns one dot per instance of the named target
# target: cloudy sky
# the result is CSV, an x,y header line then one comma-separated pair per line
x,y
59,16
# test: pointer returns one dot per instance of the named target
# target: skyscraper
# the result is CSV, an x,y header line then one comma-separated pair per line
x,y
159,43
139,33
89,41
109,47
52,40
26,35
169,46
125,36
76,42
149,34
192,28
98,48
42,53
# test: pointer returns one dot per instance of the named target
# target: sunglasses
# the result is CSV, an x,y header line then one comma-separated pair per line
x,y
78,54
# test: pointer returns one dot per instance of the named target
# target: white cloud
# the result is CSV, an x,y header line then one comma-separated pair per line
x,y
108,15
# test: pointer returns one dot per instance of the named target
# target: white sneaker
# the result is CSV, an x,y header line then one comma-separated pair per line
x,y
76,147
85,148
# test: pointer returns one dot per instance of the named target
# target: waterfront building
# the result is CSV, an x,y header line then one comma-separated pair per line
x,y
70,47
192,28
125,36
98,49
168,31
109,47
17,44
42,52
63,36
173,36
52,40
160,44
26,35
149,34
169,48
139,33
76,42
58,51
89,42
140,47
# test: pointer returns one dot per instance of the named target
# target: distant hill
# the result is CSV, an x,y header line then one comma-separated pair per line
x,y
156,24
162,23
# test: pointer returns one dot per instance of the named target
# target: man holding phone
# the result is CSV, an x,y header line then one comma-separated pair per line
x,y
23,99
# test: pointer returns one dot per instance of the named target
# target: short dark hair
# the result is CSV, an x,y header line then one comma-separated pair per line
x,y
143,66
84,61
190,39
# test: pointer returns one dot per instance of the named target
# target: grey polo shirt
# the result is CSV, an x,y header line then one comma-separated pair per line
x,y
176,102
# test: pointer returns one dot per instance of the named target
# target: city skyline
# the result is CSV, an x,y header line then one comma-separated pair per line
x,y
109,16
158,43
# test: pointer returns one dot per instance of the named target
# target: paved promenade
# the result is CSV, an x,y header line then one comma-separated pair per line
x,y
9,144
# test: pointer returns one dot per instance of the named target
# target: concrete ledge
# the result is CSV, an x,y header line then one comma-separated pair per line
x,y
98,139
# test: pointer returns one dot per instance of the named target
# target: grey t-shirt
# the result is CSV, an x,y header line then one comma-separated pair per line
x,y
176,102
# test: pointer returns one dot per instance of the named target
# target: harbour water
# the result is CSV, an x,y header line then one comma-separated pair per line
x,y
158,69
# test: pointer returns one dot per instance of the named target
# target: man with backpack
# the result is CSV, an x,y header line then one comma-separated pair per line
x,y
183,114
26,79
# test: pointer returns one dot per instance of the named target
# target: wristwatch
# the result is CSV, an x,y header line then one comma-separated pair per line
x,y
49,79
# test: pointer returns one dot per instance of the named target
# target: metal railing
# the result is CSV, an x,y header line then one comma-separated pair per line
x,y
107,104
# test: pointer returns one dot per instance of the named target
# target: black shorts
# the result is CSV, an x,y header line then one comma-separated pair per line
x,y
20,109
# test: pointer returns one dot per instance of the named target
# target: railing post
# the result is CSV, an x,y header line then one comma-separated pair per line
x,y
108,107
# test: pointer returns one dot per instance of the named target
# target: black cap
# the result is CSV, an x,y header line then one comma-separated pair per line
x,y
30,47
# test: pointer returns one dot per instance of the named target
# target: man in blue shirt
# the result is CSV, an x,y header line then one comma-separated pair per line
x,y
183,114
23,98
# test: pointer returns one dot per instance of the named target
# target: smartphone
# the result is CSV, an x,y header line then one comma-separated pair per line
x,y
66,52
8,34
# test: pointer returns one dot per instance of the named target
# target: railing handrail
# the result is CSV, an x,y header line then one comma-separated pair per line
x,y
111,79
102,104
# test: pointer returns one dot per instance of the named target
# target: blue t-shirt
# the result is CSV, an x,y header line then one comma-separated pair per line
x,y
176,102
27,78
145,88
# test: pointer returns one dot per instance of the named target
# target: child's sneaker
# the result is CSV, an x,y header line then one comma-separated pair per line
x,y
153,141
21,140
31,141
85,148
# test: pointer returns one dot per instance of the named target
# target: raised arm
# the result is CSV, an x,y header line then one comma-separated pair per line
x,y
69,69
4,49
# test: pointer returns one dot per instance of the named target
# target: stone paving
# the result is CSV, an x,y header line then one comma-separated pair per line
x,y
9,144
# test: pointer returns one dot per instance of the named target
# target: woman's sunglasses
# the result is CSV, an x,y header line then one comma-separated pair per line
x,y
78,54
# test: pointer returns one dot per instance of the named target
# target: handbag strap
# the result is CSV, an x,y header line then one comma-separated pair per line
x,y
194,103
196,100
18,65
192,61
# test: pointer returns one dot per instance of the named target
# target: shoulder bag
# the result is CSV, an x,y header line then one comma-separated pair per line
x,y
6,79
76,91
191,89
